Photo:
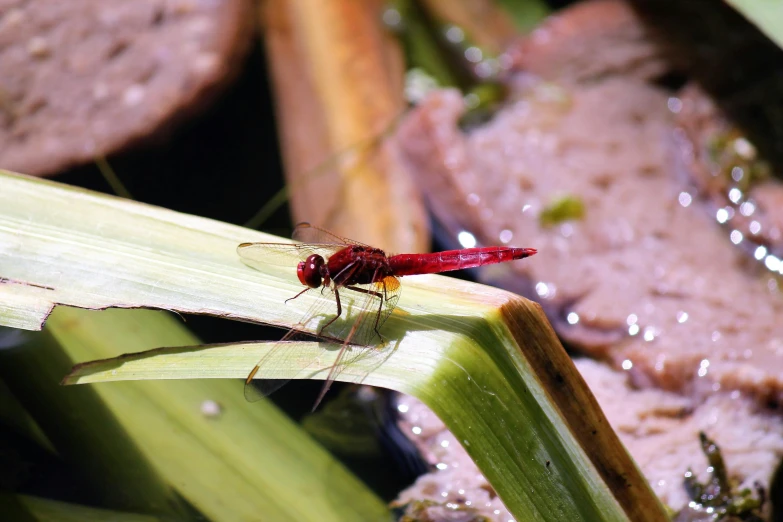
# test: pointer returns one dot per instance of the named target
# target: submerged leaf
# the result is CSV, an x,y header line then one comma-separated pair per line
x,y
716,498
565,208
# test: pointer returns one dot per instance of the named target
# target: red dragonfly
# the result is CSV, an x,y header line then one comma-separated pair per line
x,y
333,264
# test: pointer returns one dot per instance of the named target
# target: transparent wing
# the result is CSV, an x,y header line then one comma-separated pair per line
x,y
309,240
282,254
307,233
256,389
365,309
323,309
378,304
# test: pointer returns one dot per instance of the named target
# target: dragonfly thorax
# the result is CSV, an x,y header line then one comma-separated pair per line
x,y
310,271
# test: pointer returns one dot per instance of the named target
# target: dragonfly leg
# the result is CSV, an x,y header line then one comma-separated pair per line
x,y
297,295
339,311
382,297
380,311
365,291
348,272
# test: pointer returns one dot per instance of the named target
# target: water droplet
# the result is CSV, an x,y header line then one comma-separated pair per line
x,y
210,408
631,319
454,34
506,236
674,104
403,408
471,100
744,148
722,215
392,17
572,318
473,199
747,208
650,333
685,199
772,262
682,316
754,227
466,239
545,289
715,336
486,68
737,173
416,430
736,237
633,329
473,54
627,364
735,195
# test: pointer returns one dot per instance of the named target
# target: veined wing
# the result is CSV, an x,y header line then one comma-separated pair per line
x,y
379,302
322,310
257,389
364,313
307,233
309,240
283,254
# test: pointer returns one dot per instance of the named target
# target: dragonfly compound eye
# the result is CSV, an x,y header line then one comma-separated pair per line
x,y
309,271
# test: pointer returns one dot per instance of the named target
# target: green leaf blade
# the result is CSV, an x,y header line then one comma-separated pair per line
x,y
767,15
470,372
118,253
247,462
482,358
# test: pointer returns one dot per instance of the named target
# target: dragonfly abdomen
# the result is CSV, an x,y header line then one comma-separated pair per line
x,y
411,264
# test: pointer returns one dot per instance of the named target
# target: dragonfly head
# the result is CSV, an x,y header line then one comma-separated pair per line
x,y
310,271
